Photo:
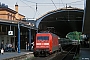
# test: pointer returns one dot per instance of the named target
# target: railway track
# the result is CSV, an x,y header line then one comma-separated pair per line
x,y
52,56
46,58
67,55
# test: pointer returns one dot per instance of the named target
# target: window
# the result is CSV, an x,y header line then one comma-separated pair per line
x,y
4,28
43,38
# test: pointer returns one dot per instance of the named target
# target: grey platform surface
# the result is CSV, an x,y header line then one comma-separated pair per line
x,y
84,54
12,54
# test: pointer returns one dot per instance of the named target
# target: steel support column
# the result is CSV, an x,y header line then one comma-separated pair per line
x,y
29,38
18,37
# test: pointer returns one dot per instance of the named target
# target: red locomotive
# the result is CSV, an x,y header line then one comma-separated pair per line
x,y
45,44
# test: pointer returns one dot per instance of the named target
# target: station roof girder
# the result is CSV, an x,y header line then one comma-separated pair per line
x,y
63,21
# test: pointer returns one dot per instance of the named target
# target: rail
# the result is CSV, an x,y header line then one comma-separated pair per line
x,y
65,57
77,51
71,55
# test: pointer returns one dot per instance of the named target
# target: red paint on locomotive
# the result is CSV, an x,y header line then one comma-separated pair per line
x,y
46,42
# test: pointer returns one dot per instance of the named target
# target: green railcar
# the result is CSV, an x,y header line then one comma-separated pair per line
x,y
75,37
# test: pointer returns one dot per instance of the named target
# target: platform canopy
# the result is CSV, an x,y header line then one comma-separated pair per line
x,y
62,21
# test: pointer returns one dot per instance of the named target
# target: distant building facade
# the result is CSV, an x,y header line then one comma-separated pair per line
x,y
9,14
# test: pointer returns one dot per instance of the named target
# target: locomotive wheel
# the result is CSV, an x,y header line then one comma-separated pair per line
x,y
46,54
35,54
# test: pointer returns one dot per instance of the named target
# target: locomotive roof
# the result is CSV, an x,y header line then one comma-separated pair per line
x,y
47,33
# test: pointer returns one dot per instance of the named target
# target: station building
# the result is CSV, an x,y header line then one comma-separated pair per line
x,y
9,19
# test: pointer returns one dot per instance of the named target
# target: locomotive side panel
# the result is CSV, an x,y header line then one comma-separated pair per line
x,y
55,43
50,43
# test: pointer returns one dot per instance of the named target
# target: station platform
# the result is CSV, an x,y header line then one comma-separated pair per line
x,y
84,54
8,55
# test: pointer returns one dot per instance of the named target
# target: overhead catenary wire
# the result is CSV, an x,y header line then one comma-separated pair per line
x,y
62,3
32,8
28,5
54,4
76,1
46,4
30,1
36,8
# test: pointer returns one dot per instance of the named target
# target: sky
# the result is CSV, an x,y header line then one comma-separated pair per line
x,y
28,7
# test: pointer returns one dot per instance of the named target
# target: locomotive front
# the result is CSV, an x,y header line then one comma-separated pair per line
x,y
41,44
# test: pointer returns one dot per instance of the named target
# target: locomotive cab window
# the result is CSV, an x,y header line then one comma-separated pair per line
x,y
43,38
